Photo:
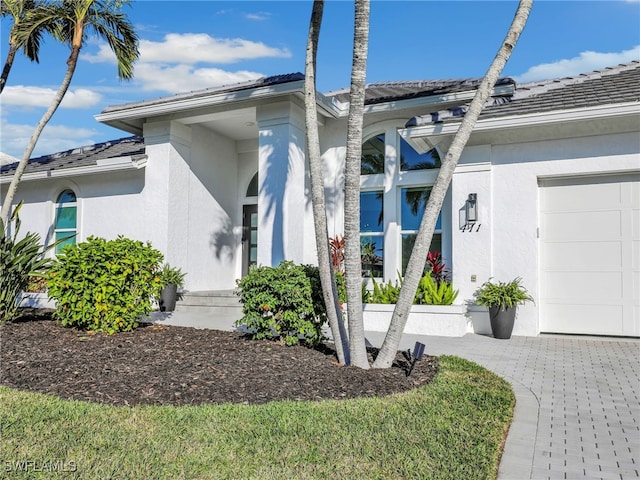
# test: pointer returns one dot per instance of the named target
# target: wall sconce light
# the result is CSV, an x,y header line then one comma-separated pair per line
x,y
471,208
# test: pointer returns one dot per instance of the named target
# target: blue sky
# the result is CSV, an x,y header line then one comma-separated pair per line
x,y
242,40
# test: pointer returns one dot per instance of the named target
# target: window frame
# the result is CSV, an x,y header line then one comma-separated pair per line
x,y
437,231
57,207
374,233
392,181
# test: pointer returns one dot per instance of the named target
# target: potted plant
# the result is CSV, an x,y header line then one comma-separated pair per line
x,y
172,278
502,299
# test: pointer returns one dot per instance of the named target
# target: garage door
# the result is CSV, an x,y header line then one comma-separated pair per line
x,y
589,255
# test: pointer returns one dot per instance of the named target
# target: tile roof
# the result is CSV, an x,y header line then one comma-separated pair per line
x,y
619,84
387,91
237,87
612,85
83,156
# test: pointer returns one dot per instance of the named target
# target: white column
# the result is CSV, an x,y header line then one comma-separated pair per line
x,y
166,190
282,199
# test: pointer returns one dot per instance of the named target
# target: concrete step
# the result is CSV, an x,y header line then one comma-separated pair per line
x,y
223,304
210,299
211,309
211,293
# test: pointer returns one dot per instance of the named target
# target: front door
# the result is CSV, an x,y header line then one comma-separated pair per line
x,y
249,237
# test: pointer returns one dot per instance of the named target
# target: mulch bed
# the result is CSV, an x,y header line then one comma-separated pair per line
x,y
167,365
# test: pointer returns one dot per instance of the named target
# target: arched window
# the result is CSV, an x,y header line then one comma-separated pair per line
x,y
66,222
252,189
372,159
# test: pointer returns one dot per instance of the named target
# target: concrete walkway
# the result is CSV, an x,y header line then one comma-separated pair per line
x,y
577,412
577,402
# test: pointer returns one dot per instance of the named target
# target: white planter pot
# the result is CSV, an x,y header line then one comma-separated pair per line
x,y
35,300
438,320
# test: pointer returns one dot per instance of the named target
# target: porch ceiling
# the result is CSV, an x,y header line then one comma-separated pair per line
x,y
236,124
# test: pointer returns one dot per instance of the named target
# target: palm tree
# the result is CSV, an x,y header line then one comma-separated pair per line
x,y
327,277
71,22
18,9
352,264
418,257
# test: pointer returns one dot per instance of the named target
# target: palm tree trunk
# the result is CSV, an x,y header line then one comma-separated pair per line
x,y
13,186
327,278
11,54
353,265
415,267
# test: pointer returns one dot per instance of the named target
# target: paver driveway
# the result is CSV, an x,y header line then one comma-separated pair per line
x,y
578,402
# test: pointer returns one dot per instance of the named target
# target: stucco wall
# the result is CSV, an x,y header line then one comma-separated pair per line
x,y
285,225
507,244
191,194
213,235
109,204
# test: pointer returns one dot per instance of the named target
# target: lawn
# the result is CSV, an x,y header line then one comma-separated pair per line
x,y
451,428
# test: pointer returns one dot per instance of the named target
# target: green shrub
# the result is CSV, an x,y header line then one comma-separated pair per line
x,y
433,292
105,286
386,293
429,292
20,261
283,302
341,286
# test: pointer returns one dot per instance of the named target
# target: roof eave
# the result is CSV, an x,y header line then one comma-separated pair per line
x,y
107,165
130,118
424,137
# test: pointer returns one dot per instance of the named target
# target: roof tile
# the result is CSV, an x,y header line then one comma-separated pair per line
x,y
83,156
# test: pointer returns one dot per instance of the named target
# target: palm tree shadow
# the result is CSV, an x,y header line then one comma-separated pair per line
x,y
224,241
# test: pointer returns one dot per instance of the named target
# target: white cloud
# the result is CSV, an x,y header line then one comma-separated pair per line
x,y
30,96
259,16
169,65
184,78
202,48
192,48
104,55
54,138
583,63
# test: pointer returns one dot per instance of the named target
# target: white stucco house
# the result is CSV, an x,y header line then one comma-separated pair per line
x,y
548,188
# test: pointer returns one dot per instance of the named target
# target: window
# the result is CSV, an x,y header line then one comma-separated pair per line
x,y
371,233
413,202
252,189
412,160
372,160
66,226
395,185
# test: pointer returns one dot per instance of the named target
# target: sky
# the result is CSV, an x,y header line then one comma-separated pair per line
x,y
192,45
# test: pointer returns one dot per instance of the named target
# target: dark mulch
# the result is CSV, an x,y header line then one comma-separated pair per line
x,y
165,365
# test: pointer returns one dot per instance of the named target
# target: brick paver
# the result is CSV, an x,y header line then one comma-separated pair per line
x,y
578,402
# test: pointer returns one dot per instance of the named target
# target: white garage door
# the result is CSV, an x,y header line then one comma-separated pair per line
x,y
589,255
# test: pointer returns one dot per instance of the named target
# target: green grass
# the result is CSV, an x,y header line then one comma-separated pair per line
x,y
452,428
